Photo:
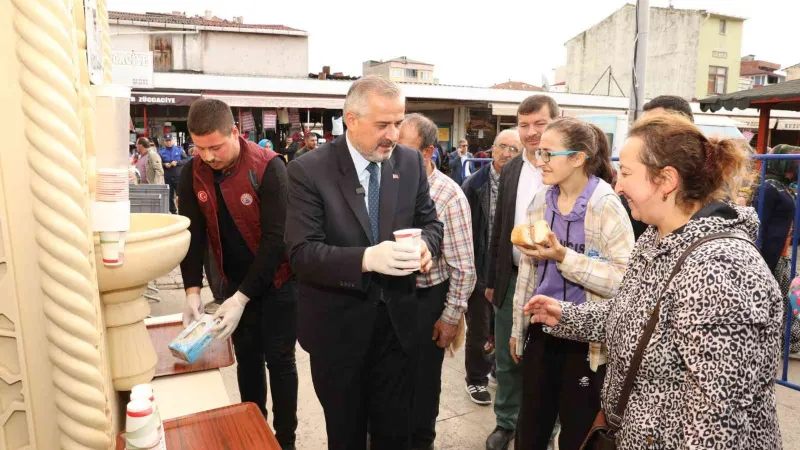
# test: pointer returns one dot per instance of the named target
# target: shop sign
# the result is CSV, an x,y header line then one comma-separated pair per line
x,y
133,69
788,124
162,99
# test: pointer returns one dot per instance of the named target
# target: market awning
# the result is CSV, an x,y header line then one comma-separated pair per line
x,y
504,109
752,122
510,109
783,96
269,101
789,124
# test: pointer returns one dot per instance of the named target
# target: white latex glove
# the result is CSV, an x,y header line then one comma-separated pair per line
x,y
391,258
230,312
192,309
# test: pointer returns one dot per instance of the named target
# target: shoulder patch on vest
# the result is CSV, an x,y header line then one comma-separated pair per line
x,y
247,199
202,196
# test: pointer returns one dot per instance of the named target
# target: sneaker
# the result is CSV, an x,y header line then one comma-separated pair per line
x,y
479,394
492,379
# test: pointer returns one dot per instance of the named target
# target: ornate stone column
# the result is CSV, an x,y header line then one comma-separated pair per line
x,y
65,283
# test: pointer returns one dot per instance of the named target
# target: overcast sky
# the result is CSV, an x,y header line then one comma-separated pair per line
x,y
480,45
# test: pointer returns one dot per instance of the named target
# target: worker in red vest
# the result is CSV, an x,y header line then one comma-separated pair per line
x,y
235,194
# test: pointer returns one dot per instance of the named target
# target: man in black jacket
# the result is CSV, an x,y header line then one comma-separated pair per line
x,y
518,183
481,190
358,308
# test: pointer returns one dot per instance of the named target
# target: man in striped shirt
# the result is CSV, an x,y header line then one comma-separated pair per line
x,y
445,289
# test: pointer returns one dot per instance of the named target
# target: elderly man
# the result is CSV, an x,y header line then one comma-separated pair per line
x,y
358,308
149,163
481,190
443,292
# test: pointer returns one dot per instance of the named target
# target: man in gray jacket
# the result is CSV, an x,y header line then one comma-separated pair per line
x,y
149,163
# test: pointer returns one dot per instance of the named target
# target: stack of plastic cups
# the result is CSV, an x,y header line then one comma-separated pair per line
x,y
144,392
141,427
111,202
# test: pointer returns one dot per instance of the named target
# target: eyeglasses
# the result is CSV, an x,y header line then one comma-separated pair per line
x,y
545,155
464,145
509,148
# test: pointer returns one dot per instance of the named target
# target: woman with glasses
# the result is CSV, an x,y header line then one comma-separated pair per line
x,y
582,260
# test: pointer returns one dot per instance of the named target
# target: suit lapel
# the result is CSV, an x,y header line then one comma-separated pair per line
x,y
390,182
350,186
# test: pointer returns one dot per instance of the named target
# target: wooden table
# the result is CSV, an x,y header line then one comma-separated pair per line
x,y
235,427
217,354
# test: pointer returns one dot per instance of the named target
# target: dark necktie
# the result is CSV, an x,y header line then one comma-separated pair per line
x,y
374,201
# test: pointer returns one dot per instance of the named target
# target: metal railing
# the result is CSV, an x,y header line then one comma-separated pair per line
x,y
783,380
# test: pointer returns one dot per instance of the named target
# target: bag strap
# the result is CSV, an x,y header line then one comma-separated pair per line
x,y
615,418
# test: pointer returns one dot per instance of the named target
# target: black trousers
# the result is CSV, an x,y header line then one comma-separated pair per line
x,y
479,324
267,334
173,191
375,389
557,383
428,378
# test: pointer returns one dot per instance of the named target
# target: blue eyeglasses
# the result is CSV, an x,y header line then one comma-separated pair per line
x,y
545,155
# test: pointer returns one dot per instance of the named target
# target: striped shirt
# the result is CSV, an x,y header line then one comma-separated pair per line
x,y
457,260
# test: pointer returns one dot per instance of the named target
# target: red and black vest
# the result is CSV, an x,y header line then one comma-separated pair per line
x,y
239,191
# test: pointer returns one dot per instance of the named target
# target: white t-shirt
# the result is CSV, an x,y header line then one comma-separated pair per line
x,y
530,180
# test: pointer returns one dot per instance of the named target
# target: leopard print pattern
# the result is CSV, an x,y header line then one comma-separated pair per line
x,y
707,380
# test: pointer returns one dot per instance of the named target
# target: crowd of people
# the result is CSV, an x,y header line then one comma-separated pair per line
x,y
671,333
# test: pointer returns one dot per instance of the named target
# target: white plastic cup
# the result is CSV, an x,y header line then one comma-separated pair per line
x,y
109,246
121,247
141,428
413,237
145,392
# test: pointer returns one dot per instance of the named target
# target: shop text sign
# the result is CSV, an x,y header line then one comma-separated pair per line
x,y
162,99
133,69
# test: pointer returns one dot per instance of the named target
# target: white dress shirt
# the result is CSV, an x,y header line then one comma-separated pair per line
x,y
530,180
361,164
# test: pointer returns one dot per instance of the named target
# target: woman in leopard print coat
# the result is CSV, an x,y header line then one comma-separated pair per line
x,y
707,379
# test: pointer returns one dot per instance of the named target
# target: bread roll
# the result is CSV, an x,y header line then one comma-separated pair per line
x,y
527,235
540,231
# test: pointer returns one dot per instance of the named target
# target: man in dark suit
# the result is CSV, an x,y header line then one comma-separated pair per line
x,y
519,181
457,158
357,313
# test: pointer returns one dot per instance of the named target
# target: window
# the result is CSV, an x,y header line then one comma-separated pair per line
x,y
411,73
717,80
772,79
397,73
426,75
723,26
161,46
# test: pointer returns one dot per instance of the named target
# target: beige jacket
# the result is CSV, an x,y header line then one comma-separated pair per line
x,y
153,168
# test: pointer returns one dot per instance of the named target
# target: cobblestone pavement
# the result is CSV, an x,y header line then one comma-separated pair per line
x,y
462,424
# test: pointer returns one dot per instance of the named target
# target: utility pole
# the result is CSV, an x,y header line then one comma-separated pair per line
x,y
639,60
